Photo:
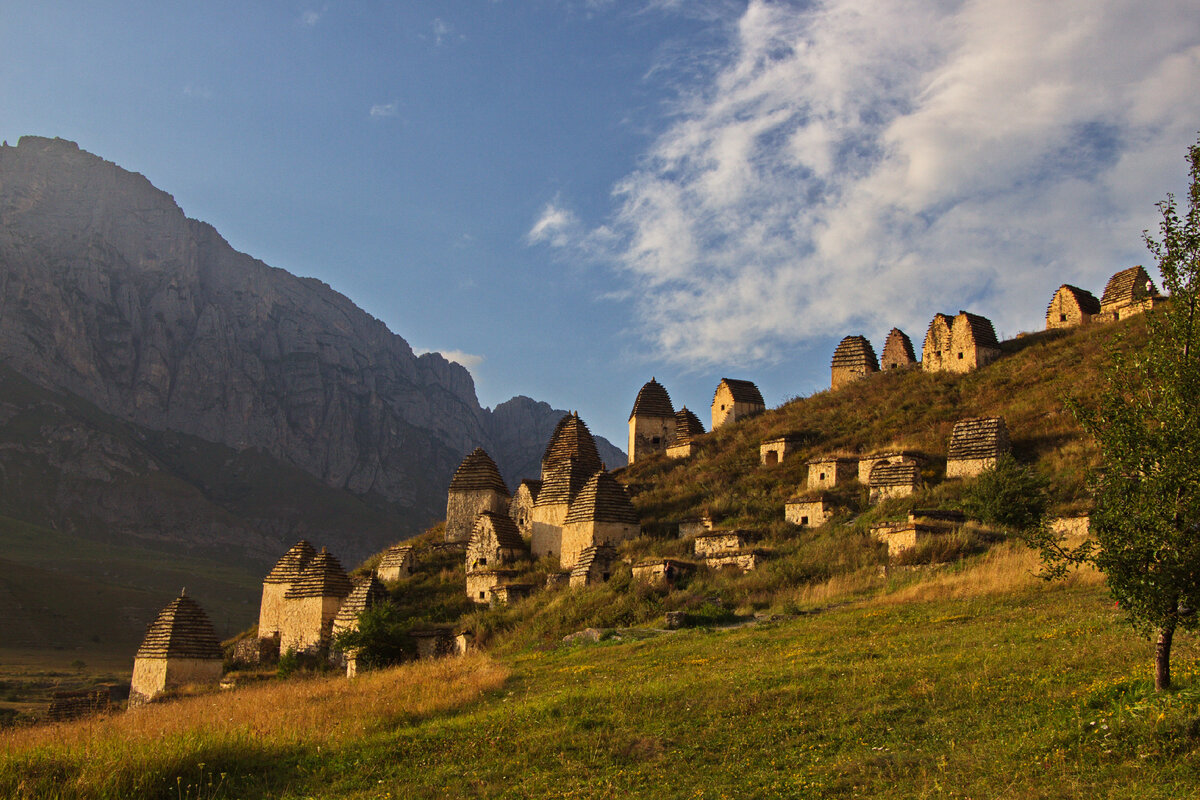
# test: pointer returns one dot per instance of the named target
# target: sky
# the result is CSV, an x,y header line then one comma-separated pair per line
x,y
571,196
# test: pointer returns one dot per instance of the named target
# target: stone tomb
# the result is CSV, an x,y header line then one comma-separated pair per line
x,y
867,463
740,562
495,548
721,542
897,351
853,359
827,472
281,577
602,514
505,593
180,649
808,512
687,428
311,604
366,594
959,344
520,509
695,527
595,565
1127,293
734,400
661,570
475,487
891,479
774,451
399,561
1071,306
569,461
975,445
651,422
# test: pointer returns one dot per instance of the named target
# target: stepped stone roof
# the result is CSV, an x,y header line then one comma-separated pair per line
x,y
367,594
1128,286
981,437
981,329
589,556
1086,301
742,391
534,487
395,556
855,351
687,426
323,577
898,349
288,568
894,475
181,630
507,533
602,499
652,401
564,482
571,440
478,471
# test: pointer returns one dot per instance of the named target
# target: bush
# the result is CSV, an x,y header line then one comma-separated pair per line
x,y
1009,494
381,639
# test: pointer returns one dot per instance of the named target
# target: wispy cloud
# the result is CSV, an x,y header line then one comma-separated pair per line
x,y
309,18
857,164
468,360
441,30
381,110
201,92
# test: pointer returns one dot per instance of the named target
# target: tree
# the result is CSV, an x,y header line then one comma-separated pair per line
x,y
1145,528
1009,494
381,638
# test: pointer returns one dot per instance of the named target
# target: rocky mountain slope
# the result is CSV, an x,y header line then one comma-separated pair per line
x,y
110,294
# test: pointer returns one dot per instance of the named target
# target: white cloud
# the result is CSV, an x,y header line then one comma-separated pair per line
x,y
310,18
858,164
441,29
380,110
468,360
201,92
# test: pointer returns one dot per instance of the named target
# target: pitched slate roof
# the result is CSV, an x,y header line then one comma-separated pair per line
x,y
571,439
742,391
1128,286
181,630
898,349
288,568
652,401
367,594
894,475
564,482
855,351
476,472
982,332
395,556
323,577
981,437
507,533
1086,301
602,499
687,426
945,320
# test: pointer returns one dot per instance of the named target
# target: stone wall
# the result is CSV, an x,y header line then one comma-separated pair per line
x,y
807,513
578,536
649,435
968,467
719,542
153,676
307,623
481,582
270,612
742,562
774,451
828,473
695,527
463,507
682,450
546,529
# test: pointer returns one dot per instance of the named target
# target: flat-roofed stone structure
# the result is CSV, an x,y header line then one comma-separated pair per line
x,y
826,472
902,536
399,561
366,594
808,512
774,451
687,428
853,359
721,542
594,565
180,648
741,562
521,507
697,526
311,604
435,641
897,351
893,479
936,351
601,514
975,445
735,399
481,582
1127,293
661,570
651,422
1071,306
867,463
281,577
505,593
475,487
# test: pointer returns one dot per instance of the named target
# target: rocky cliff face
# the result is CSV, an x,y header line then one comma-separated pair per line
x,y
108,291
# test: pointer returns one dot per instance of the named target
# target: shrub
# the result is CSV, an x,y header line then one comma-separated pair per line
x,y
1009,494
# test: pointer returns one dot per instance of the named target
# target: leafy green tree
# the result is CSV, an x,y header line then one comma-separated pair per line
x,y
1009,494
381,638
1145,529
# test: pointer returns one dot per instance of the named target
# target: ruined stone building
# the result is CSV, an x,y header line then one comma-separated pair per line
x,y
774,451
826,472
975,445
311,604
920,527
495,550
475,487
734,400
180,649
594,565
651,423
506,593
521,507
601,514
399,561
853,358
808,512
897,351
1071,306
721,543
366,594
893,479
569,462
966,342
867,463
687,428
662,571
281,577
1127,293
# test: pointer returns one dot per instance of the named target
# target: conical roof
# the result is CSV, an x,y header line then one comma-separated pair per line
x,y
571,439
367,594
478,471
507,533
897,350
602,499
687,425
181,630
1128,286
288,568
855,352
652,401
323,577
564,482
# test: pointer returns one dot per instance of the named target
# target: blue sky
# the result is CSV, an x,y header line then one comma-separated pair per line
x,y
570,196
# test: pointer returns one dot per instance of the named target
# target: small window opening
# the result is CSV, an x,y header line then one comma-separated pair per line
x,y
604,576
804,520
483,562
960,355
822,476
481,596
655,440
1062,317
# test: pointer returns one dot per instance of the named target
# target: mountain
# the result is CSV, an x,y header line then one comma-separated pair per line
x,y
112,297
